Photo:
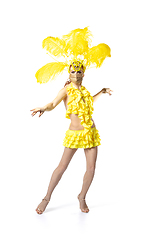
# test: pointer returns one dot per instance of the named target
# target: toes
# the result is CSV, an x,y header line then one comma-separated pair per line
x,y
85,210
39,211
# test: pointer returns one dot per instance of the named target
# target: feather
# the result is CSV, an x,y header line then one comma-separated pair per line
x,y
97,54
74,46
50,71
55,46
77,41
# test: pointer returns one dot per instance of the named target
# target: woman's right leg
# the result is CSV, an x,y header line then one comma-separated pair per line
x,y
56,176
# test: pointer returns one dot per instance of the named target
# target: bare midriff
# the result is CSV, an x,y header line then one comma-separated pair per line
x,y
76,122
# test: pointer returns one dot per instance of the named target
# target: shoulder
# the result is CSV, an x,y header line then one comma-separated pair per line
x,y
64,89
63,92
68,87
85,90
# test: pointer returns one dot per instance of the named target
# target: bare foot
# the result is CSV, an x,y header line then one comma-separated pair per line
x,y
83,205
42,206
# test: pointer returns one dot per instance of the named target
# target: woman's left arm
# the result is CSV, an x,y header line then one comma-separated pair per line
x,y
104,90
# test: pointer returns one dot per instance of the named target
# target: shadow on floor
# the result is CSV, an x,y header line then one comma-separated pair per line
x,y
73,203
59,207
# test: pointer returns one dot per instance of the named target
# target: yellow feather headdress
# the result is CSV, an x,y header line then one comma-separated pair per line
x,y
75,49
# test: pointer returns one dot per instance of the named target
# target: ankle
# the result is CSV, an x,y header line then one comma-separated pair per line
x,y
80,196
47,198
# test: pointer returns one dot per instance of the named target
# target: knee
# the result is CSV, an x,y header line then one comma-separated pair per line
x,y
91,169
61,168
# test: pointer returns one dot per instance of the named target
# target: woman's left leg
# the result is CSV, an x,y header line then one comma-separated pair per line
x,y
91,157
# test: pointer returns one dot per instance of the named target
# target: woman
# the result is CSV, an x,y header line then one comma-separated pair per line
x,y
82,132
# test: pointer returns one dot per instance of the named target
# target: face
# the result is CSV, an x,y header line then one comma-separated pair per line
x,y
76,77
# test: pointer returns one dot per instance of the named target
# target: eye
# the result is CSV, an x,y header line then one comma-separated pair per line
x,y
73,72
79,72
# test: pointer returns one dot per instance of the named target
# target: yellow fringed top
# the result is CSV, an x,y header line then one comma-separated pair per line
x,y
80,102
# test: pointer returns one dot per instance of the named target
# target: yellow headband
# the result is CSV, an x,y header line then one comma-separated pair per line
x,y
77,65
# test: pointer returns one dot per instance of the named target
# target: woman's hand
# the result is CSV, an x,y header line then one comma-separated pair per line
x,y
107,90
35,110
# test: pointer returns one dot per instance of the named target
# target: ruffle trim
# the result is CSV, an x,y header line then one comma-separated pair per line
x,y
82,138
80,102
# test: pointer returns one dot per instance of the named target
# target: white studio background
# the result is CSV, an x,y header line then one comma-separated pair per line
x,y
124,196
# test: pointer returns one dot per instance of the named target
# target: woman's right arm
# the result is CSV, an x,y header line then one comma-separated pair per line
x,y
50,106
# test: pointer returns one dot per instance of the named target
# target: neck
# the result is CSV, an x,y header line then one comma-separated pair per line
x,y
77,85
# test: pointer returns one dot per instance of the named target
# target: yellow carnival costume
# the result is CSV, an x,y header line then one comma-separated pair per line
x,y
81,102
74,48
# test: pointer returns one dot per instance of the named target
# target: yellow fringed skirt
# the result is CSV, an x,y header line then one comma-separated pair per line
x,y
82,138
